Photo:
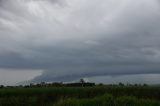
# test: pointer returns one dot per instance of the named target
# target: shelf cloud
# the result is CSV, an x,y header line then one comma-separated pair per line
x,y
72,39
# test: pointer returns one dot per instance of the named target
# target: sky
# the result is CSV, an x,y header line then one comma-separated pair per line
x,y
65,40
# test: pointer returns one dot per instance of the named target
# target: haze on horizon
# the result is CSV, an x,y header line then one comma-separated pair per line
x,y
65,40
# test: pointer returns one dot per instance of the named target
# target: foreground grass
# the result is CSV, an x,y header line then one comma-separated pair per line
x,y
109,100
81,96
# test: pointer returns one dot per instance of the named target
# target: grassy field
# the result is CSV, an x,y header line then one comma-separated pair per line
x,y
81,96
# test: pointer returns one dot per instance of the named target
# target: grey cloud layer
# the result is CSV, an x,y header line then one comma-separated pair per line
x,y
79,38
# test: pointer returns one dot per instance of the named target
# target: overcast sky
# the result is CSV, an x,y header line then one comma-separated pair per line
x,y
72,39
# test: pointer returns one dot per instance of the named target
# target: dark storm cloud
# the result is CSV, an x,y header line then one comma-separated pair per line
x,y
76,39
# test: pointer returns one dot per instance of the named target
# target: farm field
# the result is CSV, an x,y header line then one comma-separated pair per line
x,y
81,96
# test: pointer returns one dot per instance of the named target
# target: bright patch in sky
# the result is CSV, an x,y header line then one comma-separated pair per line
x,y
13,77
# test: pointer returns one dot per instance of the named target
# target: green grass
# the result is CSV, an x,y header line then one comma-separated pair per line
x,y
81,96
109,100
